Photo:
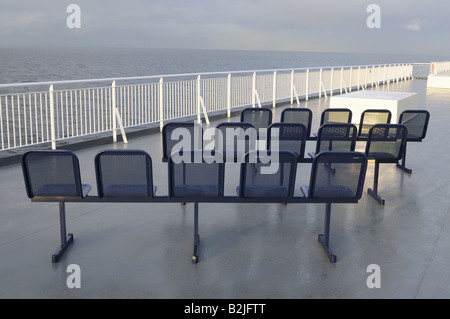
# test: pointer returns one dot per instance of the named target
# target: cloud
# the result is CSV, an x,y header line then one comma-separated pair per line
x,y
415,25
320,25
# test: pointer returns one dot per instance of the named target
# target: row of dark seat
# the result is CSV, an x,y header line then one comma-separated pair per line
x,y
415,120
336,132
126,176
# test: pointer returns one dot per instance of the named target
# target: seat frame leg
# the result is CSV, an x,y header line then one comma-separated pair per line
x,y
374,192
324,238
66,239
402,166
196,235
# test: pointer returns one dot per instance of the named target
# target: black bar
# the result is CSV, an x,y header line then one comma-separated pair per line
x,y
167,199
66,240
374,192
196,235
324,238
402,166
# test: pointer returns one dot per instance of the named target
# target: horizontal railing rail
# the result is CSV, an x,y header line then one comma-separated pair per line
x,y
47,112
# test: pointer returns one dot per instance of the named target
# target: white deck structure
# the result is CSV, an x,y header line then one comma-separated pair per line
x,y
359,101
439,81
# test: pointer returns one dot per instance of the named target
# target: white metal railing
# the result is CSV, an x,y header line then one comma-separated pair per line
x,y
67,109
421,70
439,67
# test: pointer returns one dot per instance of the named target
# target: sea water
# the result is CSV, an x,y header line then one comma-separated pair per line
x,y
34,64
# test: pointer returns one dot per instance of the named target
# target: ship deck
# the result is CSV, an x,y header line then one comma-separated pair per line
x,y
247,251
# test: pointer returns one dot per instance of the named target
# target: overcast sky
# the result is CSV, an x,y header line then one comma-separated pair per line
x,y
406,26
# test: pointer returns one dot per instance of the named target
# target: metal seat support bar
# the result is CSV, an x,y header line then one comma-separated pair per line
x,y
324,238
402,166
66,239
196,235
374,192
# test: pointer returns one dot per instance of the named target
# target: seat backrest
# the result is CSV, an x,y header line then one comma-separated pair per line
x,y
336,115
268,175
181,135
386,142
416,121
196,174
337,175
290,136
124,173
260,117
298,115
371,117
235,139
336,137
52,173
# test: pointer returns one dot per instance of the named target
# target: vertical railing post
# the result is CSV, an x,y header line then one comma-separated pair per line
x,y
113,102
254,90
161,104
274,89
359,77
351,78
229,95
320,83
378,75
199,120
292,87
396,73
307,83
373,75
331,81
365,77
116,117
342,80
52,117
388,76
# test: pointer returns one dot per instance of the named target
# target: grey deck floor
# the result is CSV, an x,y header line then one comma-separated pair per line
x,y
246,250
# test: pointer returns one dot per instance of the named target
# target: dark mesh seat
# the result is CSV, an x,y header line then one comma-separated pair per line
x,y
346,181
235,140
298,115
336,115
371,117
179,135
196,174
53,173
416,121
260,117
124,173
260,179
336,137
385,144
290,137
